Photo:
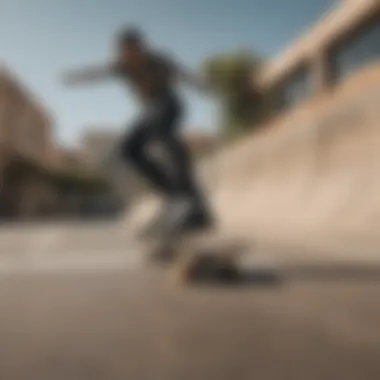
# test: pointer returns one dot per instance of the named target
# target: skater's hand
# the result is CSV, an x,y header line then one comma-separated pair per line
x,y
87,75
69,79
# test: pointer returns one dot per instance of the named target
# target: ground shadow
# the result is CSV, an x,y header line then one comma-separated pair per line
x,y
328,272
261,278
276,276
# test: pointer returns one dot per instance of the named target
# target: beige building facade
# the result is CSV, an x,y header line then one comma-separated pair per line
x,y
25,136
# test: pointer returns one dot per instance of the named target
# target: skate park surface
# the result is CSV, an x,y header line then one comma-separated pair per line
x,y
79,301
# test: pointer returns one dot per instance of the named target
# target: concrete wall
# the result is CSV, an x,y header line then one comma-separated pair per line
x,y
313,172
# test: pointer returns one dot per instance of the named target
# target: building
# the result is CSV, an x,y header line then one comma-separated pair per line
x,y
38,177
343,44
25,136
68,160
25,126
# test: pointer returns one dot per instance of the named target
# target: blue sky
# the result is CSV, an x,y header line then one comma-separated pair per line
x,y
40,38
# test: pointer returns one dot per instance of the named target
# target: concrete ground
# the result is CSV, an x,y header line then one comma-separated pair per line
x,y
78,303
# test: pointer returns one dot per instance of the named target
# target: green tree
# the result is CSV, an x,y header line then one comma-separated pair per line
x,y
231,75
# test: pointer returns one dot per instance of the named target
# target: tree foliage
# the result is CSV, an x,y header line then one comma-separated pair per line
x,y
231,75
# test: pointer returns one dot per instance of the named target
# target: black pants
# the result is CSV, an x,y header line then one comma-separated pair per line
x,y
160,126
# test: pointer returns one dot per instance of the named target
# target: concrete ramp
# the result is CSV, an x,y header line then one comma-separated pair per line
x,y
313,172
310,176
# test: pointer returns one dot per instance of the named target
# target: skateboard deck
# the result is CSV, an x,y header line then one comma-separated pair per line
x,y
199,257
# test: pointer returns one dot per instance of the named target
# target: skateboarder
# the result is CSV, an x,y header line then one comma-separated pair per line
x,y
153,77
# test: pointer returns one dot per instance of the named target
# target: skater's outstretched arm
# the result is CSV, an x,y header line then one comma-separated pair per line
x,y
89,74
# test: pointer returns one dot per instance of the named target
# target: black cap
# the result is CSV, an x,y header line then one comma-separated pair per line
x,y
131,35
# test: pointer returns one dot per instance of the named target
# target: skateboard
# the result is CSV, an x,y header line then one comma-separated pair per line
x,y
199,256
